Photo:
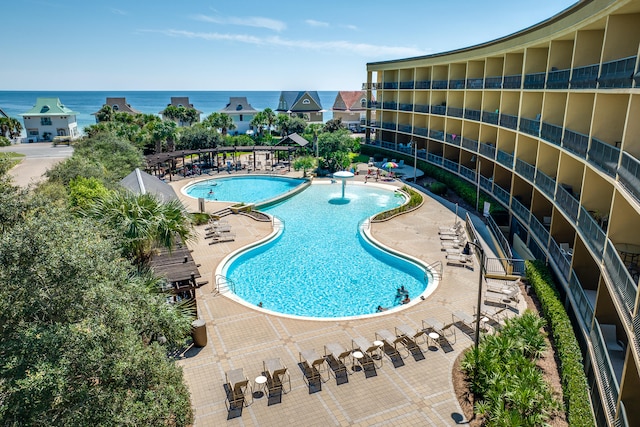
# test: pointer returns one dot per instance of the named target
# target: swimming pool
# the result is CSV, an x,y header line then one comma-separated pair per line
x,y
321,265
244,189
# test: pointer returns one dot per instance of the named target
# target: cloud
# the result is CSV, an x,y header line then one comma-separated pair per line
x,y
249,21
118,11
314,23
351,27
339,46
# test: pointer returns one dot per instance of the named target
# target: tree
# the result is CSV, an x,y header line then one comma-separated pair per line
x,y
181,115
10,127
297,125
143,222
334,148
270,117
77,328
221,121
162,132
283,122
197,137
304,163
259,121
83,192
105,114
333,125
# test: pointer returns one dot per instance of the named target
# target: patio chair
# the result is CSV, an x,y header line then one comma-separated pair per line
x,y
337,357
411,338
313,365
455,226
239,392
216,229
401,163
390,343
465,322
456,229
225,237
277,376
371,352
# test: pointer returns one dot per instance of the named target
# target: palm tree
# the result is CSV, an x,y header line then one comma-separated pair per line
x,y
283,123
270,118
221,121
15,127
259,121
106,114
161,132
143,221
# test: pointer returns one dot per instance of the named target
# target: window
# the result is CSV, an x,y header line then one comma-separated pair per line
x,y
45,121
33,132
115,107
238,107
306,102
241,118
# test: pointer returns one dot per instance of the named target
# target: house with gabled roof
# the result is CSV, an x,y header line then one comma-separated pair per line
x,y
50,118
181,101
119,105
351,108
241,112
301,104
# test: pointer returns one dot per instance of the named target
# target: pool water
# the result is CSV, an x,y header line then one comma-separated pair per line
x,y
249,189
321,265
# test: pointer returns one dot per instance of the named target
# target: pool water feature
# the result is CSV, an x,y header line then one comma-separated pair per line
x,y
243,189
321,265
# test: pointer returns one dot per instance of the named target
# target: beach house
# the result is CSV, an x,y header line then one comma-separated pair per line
x,y
305,105
118,105
49,118
183,113
351,108
241,112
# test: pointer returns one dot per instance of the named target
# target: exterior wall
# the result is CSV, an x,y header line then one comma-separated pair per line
x,y
544,121
45,128
242,126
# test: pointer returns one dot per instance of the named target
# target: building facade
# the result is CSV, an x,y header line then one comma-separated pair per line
x,y
118,105
545,121
305,105
351,108
48,119
241,112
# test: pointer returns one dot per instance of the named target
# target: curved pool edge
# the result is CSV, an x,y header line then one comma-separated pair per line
x,y
430,287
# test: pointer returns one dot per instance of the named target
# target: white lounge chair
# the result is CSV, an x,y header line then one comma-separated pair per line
x,y
337,357
240,392
370,351
277,376
314,365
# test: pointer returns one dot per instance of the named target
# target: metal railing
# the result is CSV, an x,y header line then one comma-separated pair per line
x,y
436,134
539,231
423,84
551,133
521,210
439,84
456,84
629,174
567,202
406,85
534,80
576,142
505,159
530,126
501,194
475,83
609,385
224,284
405,107
546,184
509,121
624,287
560,259
502,240
589,227
421,108
470,114
512,82
470,144
455,111
453,138
450,164
558,79
489,117
525,169
585,77
487,150
390,105
618,73
605,156
439,109
582,304
493,82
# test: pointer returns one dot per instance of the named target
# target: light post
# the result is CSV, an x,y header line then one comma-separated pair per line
x,y
478,168
415,161
478,310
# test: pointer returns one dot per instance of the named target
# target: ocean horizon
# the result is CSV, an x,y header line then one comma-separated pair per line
x,y
85,103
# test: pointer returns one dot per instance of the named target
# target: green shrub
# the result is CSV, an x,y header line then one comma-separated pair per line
x,y
199,218
574,382
438,188
4,141
415,200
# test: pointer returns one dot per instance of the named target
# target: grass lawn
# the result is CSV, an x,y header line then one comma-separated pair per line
x,y
13,158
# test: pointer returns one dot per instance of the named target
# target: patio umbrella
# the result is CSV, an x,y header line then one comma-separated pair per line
x,y
389,165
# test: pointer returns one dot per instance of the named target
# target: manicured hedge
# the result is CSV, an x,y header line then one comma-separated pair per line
x,y
414,201
574,381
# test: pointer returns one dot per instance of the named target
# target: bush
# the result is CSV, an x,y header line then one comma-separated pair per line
x,y
415,200
438,188
4,141
574,381
199,218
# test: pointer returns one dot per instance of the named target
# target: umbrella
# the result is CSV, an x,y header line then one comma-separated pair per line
x,y
389,165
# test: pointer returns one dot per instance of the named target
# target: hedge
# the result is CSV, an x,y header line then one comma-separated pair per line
x,y
414,202
574,381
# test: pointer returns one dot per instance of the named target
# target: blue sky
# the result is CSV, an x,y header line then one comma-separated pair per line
x,y
237,45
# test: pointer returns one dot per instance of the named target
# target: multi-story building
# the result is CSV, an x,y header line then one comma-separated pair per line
x,y
50,118
305,105
241,112
351,108
546,122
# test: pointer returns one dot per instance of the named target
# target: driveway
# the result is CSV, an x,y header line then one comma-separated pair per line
x,y
39,157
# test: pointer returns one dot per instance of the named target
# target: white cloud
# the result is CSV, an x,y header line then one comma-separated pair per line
x,y
339,46
351,27
118,11
314,23
249,21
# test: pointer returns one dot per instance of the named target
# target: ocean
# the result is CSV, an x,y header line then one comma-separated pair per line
x,y
150,102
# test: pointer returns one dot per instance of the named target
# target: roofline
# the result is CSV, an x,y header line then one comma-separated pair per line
x,y
552,20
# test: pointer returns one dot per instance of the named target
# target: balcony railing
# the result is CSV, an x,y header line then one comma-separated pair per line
x,y
509,121
423,84
623,284
470,144
583,305
421,108
551,133
592,231
534,80
585,77
456,84
539,230
435,159
486,183
436,134
567,202
405,107
617,73
493,82
405,128
525,169
488,150
450,164
546,184
439,109
472,114
439,84
621,420
609,385
505,159
390,85
470,174
576,142
605,156
390,105
389,125
521,210
629,174
558,79
563,263
455,112
453,138
476,83
374,104
406,85
420,131
530,126
512,82
489,117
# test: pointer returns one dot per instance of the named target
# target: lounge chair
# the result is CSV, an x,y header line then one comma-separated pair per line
x,y
401,163
224,237
507,288
219,229
464,318
239,390
314,365
277,376
391,341
460,260
455,226
411,338
435,329
457,229
371,352
337,357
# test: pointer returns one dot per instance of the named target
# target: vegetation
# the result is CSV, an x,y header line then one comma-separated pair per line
x,y
438,188
10,127
574,382
304,163
509,388
182,115
414,202
4,141
9,160
334,149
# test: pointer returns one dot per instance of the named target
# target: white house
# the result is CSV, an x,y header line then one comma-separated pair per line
x,y
241,112
50,118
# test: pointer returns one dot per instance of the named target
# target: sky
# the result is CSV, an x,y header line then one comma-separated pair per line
x,y
238,45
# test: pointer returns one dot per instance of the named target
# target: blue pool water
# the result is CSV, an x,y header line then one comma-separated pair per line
x,y
321,266
246,189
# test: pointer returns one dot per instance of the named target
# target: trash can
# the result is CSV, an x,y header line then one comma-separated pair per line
x,y
199,333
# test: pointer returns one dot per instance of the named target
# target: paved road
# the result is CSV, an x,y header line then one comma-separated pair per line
x,y
39,158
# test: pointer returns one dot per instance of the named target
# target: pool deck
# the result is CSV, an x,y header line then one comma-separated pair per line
x,y
238,336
